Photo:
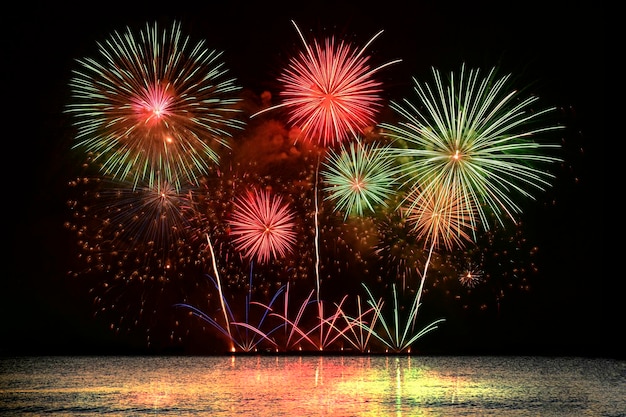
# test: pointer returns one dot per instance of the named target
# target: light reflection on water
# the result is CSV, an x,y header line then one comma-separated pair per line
x,y
312,386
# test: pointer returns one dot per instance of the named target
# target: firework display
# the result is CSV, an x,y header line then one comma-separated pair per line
x,y
232,229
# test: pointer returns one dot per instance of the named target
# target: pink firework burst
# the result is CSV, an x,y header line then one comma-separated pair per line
x,y
330,90
263,225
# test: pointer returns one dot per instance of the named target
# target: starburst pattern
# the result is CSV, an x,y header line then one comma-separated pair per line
x,y
471,276
157,104
359,177
438,217
263,226
330,90
475,138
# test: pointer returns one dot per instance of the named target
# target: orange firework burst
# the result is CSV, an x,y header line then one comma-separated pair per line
x,y
438,216
471,276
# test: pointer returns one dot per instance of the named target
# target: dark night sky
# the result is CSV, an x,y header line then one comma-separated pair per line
x,y
557,45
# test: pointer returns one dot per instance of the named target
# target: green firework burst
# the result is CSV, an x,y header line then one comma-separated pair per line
x,y
359,177
154,105
475,138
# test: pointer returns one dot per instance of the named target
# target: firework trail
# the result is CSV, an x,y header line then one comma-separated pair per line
x,y
219,288
156,104
330,90
253,335
397,336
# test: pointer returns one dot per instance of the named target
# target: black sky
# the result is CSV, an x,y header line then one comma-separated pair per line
x,y
558,46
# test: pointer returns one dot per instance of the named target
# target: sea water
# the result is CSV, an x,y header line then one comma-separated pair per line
x,y
267,385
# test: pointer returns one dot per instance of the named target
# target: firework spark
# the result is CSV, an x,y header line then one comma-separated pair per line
x,y
471,276
156,105
359,177
330,90
474,138
263,226
400,252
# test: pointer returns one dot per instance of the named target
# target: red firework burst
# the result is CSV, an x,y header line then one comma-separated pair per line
x,y
263,225
330,91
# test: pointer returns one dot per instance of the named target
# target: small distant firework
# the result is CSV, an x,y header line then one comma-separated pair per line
x,y
156,105
499,265
263,226
359,177
471,276
330,90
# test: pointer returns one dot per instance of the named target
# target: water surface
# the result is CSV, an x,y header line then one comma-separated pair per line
x,y
312,386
